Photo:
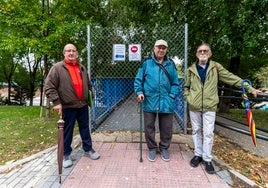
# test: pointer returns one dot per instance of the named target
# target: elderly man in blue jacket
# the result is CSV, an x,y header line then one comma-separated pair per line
x,y
156,85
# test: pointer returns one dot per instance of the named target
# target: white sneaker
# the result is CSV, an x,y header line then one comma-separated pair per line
x,y
92,154
67,162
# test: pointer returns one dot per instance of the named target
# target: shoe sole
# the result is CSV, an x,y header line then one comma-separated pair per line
x,y
192,165
87,155
67,166
69,163
166,160
151,160
209,172
94,158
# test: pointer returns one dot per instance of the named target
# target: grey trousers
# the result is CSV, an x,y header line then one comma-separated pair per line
x,y
165,128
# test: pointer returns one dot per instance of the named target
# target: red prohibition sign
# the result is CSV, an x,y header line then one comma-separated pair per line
x,y
134,49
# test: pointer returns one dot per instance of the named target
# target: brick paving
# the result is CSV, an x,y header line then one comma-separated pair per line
x,y
120,167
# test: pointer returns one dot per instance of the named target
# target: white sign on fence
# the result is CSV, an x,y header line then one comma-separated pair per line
x,y
119,52
134,51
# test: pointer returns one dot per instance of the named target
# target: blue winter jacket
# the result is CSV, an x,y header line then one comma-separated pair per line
x,y
159,91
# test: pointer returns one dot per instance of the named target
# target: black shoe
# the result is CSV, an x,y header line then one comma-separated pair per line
x,y
209,167
195,161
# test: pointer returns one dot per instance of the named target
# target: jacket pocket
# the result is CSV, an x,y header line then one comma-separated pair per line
x,y
167,104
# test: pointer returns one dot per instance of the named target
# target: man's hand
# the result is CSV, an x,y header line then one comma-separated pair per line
x,y
255,92
140,98
59,109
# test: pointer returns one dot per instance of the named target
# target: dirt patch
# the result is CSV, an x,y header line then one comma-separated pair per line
x,y
250,165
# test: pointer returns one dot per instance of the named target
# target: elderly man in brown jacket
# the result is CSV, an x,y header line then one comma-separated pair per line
x,y
67,86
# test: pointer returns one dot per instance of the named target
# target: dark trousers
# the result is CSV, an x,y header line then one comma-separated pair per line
x,y
70,115
165,128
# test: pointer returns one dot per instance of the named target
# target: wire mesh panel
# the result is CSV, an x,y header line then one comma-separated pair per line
x,y
115,106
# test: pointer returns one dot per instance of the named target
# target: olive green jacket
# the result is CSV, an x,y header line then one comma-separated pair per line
x,y
204,97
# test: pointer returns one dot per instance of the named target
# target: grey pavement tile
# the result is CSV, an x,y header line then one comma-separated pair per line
x,y
26,179
228,180
19,185
38,168
46,169
24,172
55,185
52,178
11,173
2,181
223,174
9,180
47,184
15,182
32,182
39,162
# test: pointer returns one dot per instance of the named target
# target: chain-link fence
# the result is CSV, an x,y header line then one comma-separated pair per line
x,y
112,75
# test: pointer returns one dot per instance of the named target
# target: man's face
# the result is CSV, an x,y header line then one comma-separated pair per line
x,y
160,51
70,52
203,53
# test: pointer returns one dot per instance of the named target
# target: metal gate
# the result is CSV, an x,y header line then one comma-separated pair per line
x,y
114,105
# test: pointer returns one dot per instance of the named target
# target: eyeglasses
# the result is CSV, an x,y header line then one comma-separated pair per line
x,y
204,51
70,51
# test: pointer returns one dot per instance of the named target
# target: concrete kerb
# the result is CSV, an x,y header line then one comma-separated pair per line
x,y
19,164
232,177
135,137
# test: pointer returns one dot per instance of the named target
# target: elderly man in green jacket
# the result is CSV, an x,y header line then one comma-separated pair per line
x,y
201,94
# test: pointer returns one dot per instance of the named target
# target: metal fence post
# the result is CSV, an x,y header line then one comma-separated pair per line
x,y
185,74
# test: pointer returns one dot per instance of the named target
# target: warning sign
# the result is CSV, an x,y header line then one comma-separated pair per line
x,y
134,51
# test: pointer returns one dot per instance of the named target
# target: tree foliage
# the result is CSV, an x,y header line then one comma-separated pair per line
x,y
234,28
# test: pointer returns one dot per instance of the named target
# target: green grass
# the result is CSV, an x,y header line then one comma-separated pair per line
x,y
23,132
260,117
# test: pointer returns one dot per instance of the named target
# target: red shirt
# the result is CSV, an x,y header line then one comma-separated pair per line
x,y
76,78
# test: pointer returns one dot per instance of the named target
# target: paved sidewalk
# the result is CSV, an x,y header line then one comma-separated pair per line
x,y
119,166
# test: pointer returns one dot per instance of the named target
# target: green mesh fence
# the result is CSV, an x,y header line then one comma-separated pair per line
x,y
115,56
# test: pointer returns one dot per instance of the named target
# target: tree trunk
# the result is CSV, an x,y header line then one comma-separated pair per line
x,y
46,69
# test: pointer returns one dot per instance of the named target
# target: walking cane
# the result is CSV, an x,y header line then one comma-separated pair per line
x,y
60,146
140,132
